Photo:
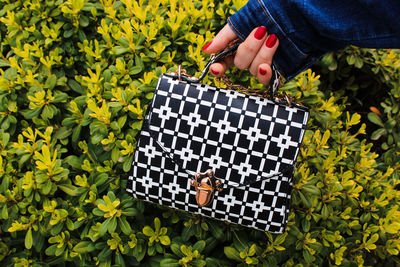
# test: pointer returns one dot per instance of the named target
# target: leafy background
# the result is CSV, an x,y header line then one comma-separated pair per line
x,y
75,79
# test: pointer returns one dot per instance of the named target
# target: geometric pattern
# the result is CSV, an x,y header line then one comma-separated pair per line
x,y
240,137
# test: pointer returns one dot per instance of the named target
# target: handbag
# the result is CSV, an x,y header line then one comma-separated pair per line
x,y
219,153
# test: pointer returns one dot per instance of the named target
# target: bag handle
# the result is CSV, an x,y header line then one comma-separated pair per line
x,y
273,85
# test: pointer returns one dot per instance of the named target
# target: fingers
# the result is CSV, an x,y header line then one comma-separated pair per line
x,y
221,40
264,73
248,50
255,53
219,68
265,54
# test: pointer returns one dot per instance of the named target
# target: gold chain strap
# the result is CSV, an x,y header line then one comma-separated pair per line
x,y
249,91
282,96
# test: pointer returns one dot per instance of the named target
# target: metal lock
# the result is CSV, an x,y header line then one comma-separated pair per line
x,y
205,184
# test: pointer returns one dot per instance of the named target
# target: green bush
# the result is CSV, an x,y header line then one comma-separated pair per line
x,y
75,80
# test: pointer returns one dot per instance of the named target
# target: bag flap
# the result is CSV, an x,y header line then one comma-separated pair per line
x,y
240,137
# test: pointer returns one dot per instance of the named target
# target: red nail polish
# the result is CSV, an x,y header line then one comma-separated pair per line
x,y
263,71
206,46
214,72
260,32
271,41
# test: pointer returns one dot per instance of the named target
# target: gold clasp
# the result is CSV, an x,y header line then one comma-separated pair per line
x,y
205,184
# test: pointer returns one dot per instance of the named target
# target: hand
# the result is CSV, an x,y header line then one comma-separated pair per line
x,y
255,53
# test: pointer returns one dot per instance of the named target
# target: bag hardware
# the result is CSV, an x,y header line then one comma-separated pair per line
x,y
205,184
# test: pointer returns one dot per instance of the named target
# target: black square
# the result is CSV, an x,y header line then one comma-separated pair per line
x,y
208,96
237,103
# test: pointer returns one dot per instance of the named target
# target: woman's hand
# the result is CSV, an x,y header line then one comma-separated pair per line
x,y
255,53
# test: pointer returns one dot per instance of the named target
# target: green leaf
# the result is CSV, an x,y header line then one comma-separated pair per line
x,y
188,232
105,254
112,225
4,63
280,238
370,246
151,250
232,254
128,164
82,247
198,263
169,263
157,224
4,212
306,225
374,118
74,85
121,121
350,59
68,33
83,21
306,201
119,50
148,231
51,82
125,226
74,162
59,98
177,250
56,229
373,239
28,239
50,251
119,260
129,212
150,95
215,230
135,70
98,212
62,133
31,113
115,154
76,134
101,179
311,189
71,190
199,245
159,248
324,212
164,240
307,256
378,133
46,188
104,227
39,241
70,225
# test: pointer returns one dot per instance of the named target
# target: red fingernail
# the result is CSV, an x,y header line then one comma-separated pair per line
x,y
214,72
263,71
206,46
271,41
260,32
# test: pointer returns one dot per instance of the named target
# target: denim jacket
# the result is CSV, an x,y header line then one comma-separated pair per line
x,y
307,29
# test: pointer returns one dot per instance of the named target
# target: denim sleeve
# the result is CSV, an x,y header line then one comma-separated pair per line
x,y
307,29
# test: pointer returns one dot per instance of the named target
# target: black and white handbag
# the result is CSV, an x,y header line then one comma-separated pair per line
x,y
219,153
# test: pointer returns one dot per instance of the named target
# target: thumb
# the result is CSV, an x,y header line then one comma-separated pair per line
x,y
221,40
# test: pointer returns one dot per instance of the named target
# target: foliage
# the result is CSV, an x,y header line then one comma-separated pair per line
x,y
378,73
75,80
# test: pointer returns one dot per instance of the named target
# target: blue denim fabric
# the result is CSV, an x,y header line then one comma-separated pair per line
x,y
307,29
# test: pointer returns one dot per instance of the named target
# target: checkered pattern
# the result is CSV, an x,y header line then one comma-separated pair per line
x,y
240,137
